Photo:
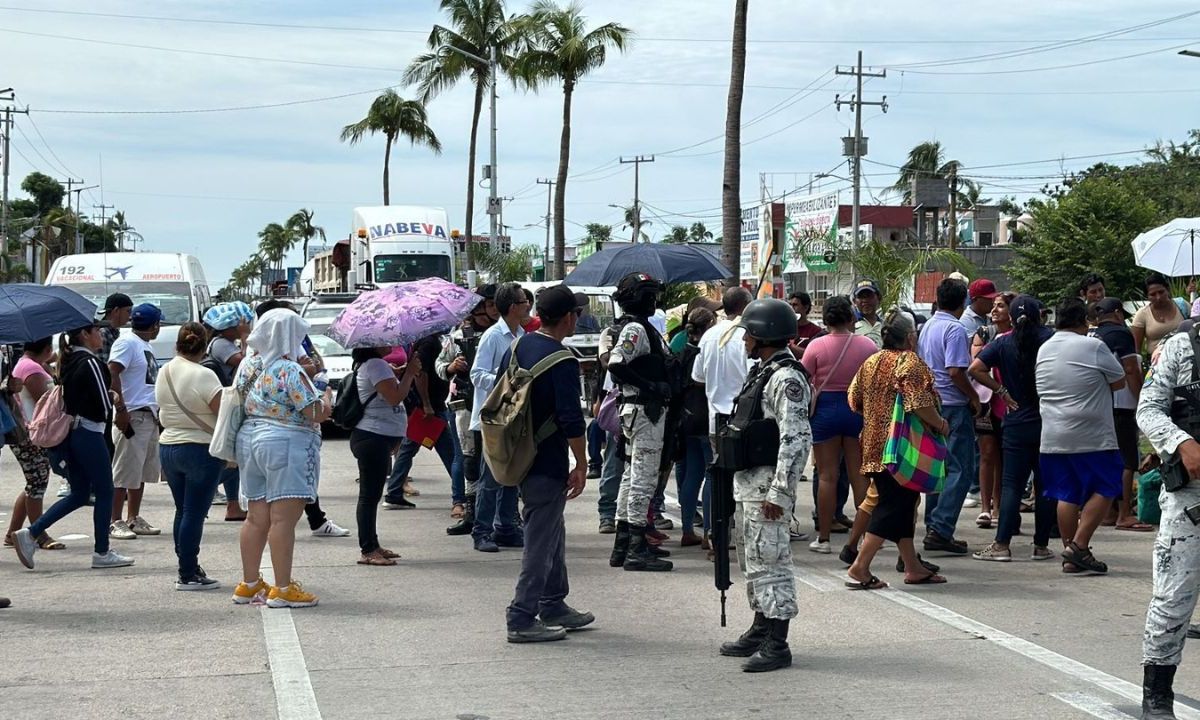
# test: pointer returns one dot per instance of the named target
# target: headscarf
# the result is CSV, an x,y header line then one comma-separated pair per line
x,y
276,334
228,315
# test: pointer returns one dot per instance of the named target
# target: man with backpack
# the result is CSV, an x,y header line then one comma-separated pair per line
x,y
639,368
538,612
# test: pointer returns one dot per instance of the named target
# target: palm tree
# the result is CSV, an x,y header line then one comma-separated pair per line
x,y
926,161
395,117
699,233
275,241
678,234
632,221
597,232
731,186
302,227
562,49
476,27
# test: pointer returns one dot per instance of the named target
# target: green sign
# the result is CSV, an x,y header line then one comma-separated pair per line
x,y
811,234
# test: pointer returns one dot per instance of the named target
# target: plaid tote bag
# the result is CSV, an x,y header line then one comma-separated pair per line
x,y
914,455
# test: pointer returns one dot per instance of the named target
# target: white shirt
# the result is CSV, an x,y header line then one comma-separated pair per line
x,y
722,366
659,321
141,370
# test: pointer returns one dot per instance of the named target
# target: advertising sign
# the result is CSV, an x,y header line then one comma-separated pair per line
x,y
810,234
750,242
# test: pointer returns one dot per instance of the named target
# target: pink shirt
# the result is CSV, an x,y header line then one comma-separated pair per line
x,y
821,360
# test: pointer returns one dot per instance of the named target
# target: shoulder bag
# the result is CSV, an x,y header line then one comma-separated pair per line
x,y
914,454
183,408
229,421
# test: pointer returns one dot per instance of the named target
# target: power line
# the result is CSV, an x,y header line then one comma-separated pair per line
x,y
1049,67
234,108
52,153
790,125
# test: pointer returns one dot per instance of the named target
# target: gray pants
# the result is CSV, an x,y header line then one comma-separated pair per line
x,y
542,585
644,444
764,553
466,441
1176,579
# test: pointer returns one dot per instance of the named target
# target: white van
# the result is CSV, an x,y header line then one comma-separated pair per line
x,y
174,282
585,343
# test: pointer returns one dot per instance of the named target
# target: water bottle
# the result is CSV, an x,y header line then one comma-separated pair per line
x,y
321,381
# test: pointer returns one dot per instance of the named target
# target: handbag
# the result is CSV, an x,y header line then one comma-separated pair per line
x,y
8,421
609,415
812,404
174,396
914,455
229,422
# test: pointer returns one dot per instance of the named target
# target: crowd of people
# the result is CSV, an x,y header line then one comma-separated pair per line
x,y
1032,419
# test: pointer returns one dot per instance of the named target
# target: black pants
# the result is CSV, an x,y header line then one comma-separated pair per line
x,y
542,585
374,455
895,517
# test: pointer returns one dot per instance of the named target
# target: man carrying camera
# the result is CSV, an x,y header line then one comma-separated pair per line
x,y
1169,414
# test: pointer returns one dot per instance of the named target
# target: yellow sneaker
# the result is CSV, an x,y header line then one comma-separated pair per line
x,y
291,596
244,594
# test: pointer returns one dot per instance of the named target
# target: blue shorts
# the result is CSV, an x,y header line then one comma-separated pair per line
x,y
278,462
834,418
1074,477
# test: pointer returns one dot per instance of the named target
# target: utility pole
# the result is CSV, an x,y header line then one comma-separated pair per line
x,y
549,197
856,147
78,209
953,217
637,205
104,221
7,125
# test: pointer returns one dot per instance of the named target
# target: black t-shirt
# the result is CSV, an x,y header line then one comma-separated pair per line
x,y
427,350
1001,354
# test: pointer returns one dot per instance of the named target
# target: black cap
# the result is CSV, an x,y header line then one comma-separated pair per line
x,y
558,300
487,291
1109,305
117,301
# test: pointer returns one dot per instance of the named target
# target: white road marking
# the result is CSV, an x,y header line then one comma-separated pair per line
x,y
1032,651
73,536
294,698
1091,705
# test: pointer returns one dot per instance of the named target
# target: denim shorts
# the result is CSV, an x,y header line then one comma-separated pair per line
x,y
278,462
834,418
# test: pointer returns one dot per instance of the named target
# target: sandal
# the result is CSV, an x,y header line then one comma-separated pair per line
x,y
984,521
930,579
1083,558
388,553
457,511
376,558
872,583
45,542
1071,568
1136,526
8,541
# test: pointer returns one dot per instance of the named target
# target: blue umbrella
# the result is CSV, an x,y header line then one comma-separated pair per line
x,y
30,312
663,262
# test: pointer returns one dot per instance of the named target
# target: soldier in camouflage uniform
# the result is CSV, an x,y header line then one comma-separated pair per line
x,y
1172,381
637,363
766,494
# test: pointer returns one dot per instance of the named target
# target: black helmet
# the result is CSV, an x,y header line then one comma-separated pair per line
x,y
636,289
769,320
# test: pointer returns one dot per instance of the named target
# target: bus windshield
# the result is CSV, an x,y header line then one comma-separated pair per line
x,y
401,268
174,299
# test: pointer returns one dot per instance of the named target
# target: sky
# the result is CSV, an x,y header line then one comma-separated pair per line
x,y
206,182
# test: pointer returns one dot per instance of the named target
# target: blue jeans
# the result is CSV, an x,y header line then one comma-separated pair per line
x,y
89,471
942,511
230,483
610,479
193,475
1020,448
595,444
843,492
495,507
447,448
692,473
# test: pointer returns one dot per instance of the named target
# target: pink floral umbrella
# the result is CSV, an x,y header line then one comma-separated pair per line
x,y
402,314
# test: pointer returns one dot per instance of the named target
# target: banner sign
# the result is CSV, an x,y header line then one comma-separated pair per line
x,y
810,234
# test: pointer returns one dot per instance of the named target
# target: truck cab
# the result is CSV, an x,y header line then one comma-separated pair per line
x,y
400,243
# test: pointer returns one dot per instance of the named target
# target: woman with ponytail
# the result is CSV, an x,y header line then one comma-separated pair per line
x,y
1014,355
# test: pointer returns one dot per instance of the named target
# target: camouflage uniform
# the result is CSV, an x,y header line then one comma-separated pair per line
x,y
643,437
1177,547
764,550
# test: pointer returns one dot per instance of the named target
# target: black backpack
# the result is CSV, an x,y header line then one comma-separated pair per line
x,y
348,409
222,371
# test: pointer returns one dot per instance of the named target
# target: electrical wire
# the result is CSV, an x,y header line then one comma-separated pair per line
x,y
790,125
53,154
1052,67
195,111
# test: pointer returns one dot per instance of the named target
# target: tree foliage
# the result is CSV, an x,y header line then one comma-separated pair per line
x,y
393,117
677,235
47,193
597,232
501,266
1088,222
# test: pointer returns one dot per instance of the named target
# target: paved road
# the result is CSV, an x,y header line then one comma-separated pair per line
x,y
426,639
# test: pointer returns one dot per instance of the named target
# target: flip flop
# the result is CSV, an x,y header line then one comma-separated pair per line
x,y
388,553
49,543
1136,527
873,583
930,579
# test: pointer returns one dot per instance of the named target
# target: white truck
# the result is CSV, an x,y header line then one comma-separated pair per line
x,y
399,243
174,282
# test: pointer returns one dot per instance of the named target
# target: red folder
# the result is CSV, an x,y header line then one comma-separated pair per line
x,y
425,429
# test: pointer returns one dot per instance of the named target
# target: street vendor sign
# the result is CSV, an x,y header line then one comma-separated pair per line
x,y
810,234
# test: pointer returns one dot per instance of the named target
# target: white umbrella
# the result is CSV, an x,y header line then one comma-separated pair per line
x,y
1170,249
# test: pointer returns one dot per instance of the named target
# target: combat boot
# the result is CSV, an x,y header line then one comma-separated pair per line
x,y
639,558
467,521
748,643
774,653
1158,699
620,545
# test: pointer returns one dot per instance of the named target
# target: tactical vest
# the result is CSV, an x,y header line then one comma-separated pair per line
x,y
652,366
751,439
1185,412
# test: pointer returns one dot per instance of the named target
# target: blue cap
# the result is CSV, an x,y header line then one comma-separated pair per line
x,y
145,316
227,315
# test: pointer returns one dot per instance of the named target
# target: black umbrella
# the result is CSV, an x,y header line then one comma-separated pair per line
x,y
665,263
30,312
